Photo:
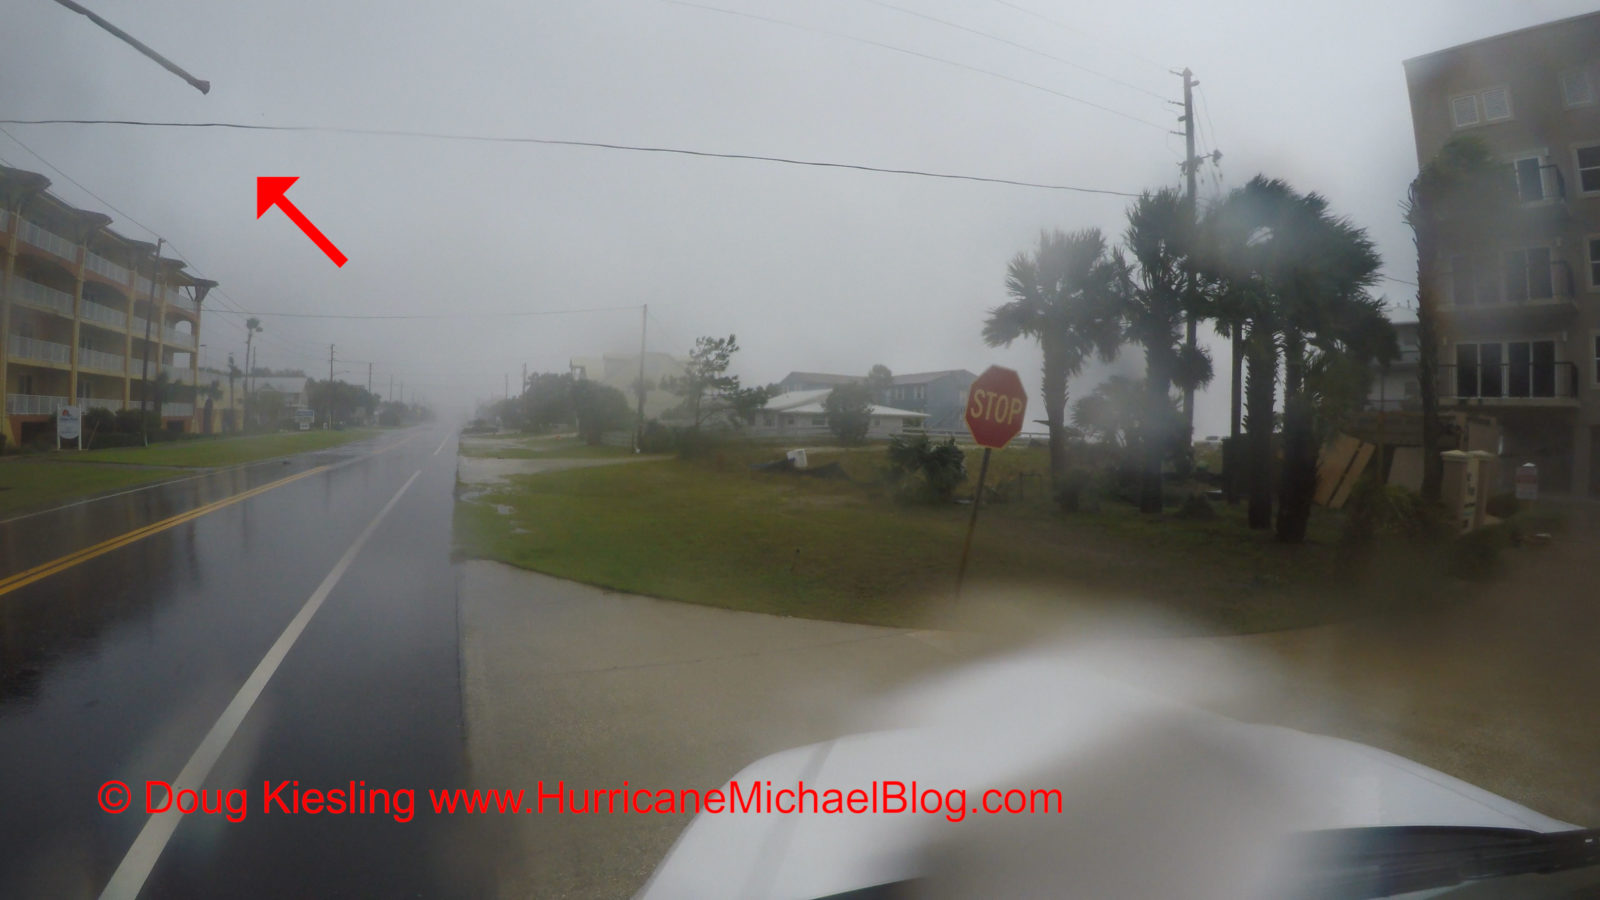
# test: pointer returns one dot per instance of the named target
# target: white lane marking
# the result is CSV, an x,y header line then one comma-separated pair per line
x,y
135,867
442,443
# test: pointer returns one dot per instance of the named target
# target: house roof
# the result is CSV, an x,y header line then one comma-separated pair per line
x,y
822,378
809,403
925,377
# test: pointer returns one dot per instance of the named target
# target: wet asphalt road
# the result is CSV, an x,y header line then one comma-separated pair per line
x,y
118,667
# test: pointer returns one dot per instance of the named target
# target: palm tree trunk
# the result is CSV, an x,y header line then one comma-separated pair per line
x,y
1428,371
1299,478
1054,390
1156,437
1261,375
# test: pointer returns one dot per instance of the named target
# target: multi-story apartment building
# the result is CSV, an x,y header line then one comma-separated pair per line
x,y
85,313
1520,318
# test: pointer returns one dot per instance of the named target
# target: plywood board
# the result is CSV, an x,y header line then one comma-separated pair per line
x,y
1363,456
1336,458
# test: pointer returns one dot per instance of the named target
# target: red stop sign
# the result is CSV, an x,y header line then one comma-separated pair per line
x,y
995,406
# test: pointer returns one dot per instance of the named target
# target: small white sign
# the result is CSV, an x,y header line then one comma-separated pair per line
x,y
69,425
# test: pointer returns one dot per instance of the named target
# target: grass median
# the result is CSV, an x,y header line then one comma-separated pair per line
x,y
720,534
31,483
208,452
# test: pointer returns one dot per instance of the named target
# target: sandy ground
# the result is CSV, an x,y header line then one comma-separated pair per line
x,y
568,682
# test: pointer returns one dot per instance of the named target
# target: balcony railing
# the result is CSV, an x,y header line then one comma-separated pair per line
x,y
112,403
1510,382
49,240
33,404
143,286
170,410
42,351
178,374
37,295
104,315
178,339
99,359
1512,285
99,264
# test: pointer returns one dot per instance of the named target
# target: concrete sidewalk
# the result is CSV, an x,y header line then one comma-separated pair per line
x,y
566,682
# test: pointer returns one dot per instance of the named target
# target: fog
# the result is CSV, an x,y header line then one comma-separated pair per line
x,y
816,269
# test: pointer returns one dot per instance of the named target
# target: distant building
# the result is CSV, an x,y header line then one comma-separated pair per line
x,y
941,396
800,413
86,314
1395,386
621,371
1519,317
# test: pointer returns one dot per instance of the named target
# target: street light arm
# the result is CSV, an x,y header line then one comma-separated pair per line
x,y
203,87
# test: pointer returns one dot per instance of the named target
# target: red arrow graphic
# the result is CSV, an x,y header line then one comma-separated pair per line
x,y
270,190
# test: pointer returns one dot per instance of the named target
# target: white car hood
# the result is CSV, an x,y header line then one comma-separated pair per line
x,y
1158,797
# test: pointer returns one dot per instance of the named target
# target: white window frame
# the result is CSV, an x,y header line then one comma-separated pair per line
x,y
1594,352
1557,353
1577,168
1550,263
1477,115
1591,259
1483,103
1588,87
1547,191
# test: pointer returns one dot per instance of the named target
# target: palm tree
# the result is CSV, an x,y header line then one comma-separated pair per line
x,y
1063,296
1454,201
1156,301
1237,253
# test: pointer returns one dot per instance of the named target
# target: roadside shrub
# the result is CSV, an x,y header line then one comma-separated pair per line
x,y
1376,511
1075,484
942,466
1196,507
658,438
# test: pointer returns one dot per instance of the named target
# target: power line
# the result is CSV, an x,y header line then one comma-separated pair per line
x,y
1076,30
1023,47
920,55
449,315
559,142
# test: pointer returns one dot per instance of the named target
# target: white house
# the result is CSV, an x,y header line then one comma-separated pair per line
x,y
800,413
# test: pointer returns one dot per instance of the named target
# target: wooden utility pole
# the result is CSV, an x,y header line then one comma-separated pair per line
x,y
638,422
1190,167
328,421
144,369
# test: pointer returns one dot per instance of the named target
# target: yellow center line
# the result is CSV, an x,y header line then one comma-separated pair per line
x,y
61,564
25,578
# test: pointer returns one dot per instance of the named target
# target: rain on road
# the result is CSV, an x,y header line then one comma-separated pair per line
x,y
131,662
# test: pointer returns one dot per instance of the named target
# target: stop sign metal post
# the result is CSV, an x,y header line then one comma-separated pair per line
x,y
996,403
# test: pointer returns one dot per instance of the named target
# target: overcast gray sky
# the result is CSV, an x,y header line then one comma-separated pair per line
x,y
813,269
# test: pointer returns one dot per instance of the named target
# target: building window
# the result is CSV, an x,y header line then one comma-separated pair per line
x,y
1589,169
1575,88
1472,282
1509,369
1464,111
1597,357
1496,104
1594,263
1530,179
1527,275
